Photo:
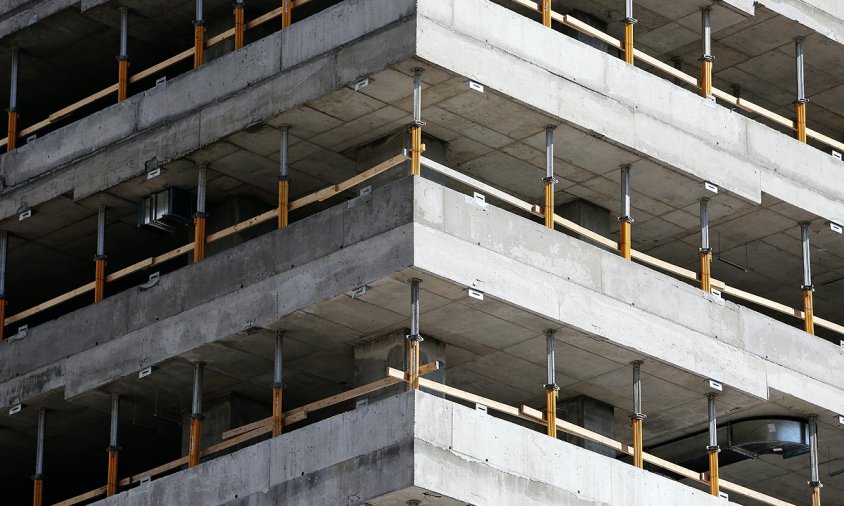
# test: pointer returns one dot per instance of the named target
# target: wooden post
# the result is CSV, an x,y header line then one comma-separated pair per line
x,y
286,13
713,448
100,258
194,450
416,146
629,21
625,220
284,178
277,385
38,477
808,287
198,37
549,179
707,58
123,57
239,24
113,449
414,339
800,103
551,388
637,417
705,252
546,13
12,139
199,235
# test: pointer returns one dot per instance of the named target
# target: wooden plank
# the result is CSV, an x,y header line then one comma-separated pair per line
x,y
34,128
466,396
50,303
776,306
751,107
82,497
154,471
184,55
665,68
149,262
220,37
733,487
234,441
821,322
582,27
243,225
286,419
61,113
663,265
585,232
829,141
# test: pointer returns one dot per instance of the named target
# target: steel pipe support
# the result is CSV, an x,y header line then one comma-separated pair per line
x,y
628,41
414,338
12,140
198,43
705,258
808,311
800,120
199,237
277,385
239,25
194,445
99,278
283,202
551,410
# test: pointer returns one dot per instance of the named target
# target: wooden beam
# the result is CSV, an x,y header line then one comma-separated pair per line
x,y
82,497
155,471
50,303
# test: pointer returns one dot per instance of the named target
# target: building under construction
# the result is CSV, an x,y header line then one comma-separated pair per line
x,y
422,252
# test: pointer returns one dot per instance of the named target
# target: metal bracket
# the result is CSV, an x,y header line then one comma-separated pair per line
x,y
145,372
15,409
475,294
151,282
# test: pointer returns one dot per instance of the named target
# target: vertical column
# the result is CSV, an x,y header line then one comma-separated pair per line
x,y
198,37
277,385
286,13
813,457
284,178
196,416
100,258
625,220
200,216
38,477
707,58
549,179
546,13
113,448
4,248
416,146
123,57
12,141
551,388
629,21
705,252
414,339
800,103
808,305
637,417
239,24
713,448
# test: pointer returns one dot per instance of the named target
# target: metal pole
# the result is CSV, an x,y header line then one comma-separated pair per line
x,y
38,477
12,139
637,417
713,448
200,216
239,24
707,58
284,178
123,57
4,248
808,288
815,482
414,338
416,146
113,448
549,179
629,21
286,13
196,416
198,36
100,258
551,388
800,103
625,220
277,385
705,251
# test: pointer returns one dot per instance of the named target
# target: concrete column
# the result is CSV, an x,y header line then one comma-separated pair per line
x,y
590,414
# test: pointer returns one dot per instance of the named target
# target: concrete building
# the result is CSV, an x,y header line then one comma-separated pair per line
x,y
422,252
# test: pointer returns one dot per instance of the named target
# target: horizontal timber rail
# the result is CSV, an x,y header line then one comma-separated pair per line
x,y
272,214
580,26
643,258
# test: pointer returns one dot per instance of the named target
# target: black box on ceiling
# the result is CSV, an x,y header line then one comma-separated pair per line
x,y
166,210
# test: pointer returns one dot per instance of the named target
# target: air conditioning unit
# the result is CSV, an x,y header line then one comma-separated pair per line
x,y
166,210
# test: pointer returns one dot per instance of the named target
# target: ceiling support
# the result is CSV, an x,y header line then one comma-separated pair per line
x,y
196,416
637,417
706,59
705,251
286,13
123,57
546,13
198,37
12,140
38,477
284,178
629,21
551,388
414,338
200,216
100,258
549,179
113,448
625,220
808,288
416,146
815,483
4,249
239,24
713,448
277,385
800,103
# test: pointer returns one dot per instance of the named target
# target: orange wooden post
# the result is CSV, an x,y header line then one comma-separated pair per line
x,y
713,447
549,179
38,477
113,448
546,13
815,482
705,252
286,13
706,59
198,37
239,24
194,450
277,385
123,57
100,258
808,288
629,21
12,138
200,216
800,103
284,178
551,388
416,146
637,417
414,338
625,220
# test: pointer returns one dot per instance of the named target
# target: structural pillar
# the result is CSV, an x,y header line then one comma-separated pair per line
x,y
12,138
629,21
277,385
707,58
414,338
549,179
705,252
198,37
713,448
200,216
4,248
416,146
38,477
286,13
625,220
239,24
196,416
808,288
123,57
100,258
284,178
800,103
815,483
637,417
551,388
113,448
